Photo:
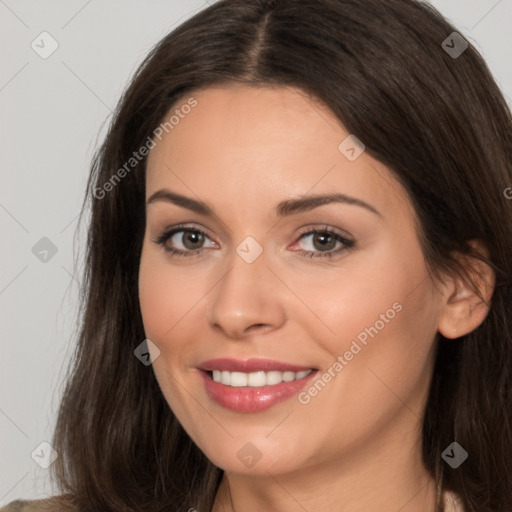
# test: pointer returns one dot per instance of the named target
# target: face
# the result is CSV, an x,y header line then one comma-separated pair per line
x,y
291,332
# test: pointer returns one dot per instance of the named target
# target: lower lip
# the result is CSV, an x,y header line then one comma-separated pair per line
x,y
251,399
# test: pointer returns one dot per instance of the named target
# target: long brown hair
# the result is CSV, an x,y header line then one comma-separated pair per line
x,y
441,125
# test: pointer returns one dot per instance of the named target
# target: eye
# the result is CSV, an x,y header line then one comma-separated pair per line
x,y
191,240
323,241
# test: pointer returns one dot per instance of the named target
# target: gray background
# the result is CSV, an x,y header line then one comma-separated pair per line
x,y
53,114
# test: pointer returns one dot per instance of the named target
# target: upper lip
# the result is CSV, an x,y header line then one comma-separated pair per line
x,y
250,365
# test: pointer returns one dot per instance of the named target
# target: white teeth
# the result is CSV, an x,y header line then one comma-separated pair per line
x,y
238,379
226,378
256,379
274,377
288,376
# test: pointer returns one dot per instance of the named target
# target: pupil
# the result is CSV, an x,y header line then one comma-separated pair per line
x,y
191,235
324,237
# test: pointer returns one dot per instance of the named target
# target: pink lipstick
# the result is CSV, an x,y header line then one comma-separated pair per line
x,y
252,385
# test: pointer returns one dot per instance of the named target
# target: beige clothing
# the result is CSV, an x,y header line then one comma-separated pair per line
x,y
451,503
53,504
26,506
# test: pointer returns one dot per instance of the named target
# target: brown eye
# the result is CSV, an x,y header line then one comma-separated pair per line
x,y
324,242
191,239
182,241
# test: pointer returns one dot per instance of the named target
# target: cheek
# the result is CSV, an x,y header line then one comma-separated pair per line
x,y
368,297
171,299
384,319
159,295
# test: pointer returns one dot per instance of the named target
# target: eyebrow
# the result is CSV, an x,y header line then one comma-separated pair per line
x,y
283,209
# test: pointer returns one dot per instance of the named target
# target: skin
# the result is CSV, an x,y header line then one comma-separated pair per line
x,y
357,443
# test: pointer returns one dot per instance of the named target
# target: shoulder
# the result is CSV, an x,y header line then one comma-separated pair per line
x,y
53,504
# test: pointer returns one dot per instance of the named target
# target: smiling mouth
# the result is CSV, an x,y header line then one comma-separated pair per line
x,y
255,379
255,391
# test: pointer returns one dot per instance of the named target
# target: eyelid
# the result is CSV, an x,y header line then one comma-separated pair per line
x,y
324,228
167,233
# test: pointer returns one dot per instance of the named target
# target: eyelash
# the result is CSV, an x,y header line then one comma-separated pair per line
x,y
166,235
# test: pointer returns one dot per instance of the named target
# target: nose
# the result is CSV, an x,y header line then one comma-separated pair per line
x,y
247,300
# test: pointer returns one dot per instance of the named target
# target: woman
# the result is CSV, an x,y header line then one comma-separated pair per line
x,y
298,272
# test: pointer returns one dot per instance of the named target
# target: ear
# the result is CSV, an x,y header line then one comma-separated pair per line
x,y
465,305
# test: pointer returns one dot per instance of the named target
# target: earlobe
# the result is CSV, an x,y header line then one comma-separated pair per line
x,y
467,300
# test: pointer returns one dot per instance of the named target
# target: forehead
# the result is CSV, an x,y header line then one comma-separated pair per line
x,y
240,123
247,143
